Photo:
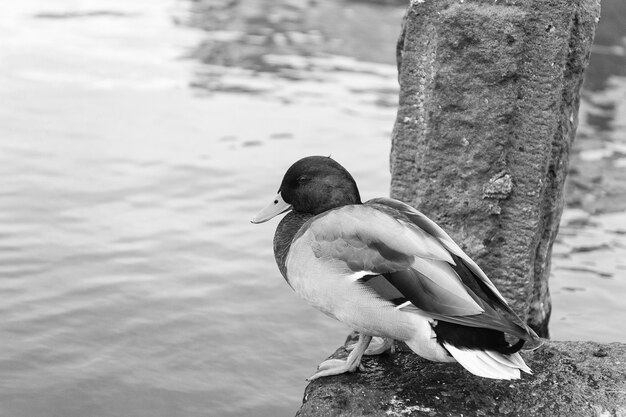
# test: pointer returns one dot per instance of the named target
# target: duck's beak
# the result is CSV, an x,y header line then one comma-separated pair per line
x,y
276,207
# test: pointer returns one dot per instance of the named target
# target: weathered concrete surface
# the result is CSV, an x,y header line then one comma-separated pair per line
x,y
570,379
488,111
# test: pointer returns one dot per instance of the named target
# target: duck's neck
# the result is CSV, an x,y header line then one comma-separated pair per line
x,y
285,232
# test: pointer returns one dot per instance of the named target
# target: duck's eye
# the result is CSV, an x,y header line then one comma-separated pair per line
x,y
302,179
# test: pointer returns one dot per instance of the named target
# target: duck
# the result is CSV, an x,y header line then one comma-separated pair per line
x,y
390,273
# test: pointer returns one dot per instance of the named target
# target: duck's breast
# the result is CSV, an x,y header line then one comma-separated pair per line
x,y
329,286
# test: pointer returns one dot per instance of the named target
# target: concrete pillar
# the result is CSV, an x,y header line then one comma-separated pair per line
x,y
489,94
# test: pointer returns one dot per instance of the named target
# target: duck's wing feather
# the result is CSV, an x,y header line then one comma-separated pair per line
x,y
437,307
433,229
403,262
469,272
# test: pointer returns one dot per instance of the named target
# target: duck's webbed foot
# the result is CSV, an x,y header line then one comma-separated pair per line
x,y
378,346
340,366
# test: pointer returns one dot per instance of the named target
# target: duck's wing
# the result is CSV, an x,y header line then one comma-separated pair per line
x,y
413,266
469,272
433,229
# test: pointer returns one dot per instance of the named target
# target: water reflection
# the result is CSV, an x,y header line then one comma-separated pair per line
x,y
256,48
609,50
597,180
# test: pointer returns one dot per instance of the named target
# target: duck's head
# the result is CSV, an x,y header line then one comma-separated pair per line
x,y
312,185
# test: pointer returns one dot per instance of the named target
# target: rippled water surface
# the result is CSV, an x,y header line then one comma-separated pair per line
x,y
137,140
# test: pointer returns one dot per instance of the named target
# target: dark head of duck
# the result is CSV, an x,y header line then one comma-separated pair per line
x,y
316,184
311,186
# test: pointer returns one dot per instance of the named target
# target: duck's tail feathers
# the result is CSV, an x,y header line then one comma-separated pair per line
x,y
488,363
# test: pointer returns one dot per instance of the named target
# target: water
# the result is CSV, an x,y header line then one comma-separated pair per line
x,y
139,138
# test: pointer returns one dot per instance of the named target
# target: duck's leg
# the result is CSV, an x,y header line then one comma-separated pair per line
x,y
378,346
340,366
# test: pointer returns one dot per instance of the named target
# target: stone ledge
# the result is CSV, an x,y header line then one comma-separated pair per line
x,y
570,379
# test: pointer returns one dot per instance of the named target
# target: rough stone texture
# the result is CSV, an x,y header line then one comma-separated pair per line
x,y
488,111
570,379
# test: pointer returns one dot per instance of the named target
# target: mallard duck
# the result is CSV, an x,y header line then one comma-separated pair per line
x,y
388,271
